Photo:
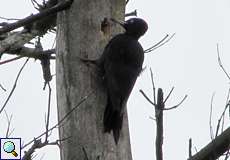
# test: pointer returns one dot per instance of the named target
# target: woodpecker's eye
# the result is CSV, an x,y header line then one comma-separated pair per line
x,y
131,21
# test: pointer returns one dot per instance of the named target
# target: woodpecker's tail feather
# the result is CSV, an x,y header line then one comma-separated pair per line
x,y
113,121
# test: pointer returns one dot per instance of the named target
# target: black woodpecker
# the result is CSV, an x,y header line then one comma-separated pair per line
x,y
121,63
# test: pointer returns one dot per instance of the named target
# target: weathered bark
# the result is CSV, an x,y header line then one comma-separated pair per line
x,y
80,35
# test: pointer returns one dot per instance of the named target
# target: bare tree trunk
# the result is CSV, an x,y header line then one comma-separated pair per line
x,y
80,35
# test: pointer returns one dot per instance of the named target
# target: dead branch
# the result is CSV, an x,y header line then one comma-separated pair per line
x,y
9,119
10,60
153,85
210,118
30,53
2,88
14,86
9,19
62,119
221,118
17,40
159,108
162,42
13,41
214,149
190,148
36,4
170,108
220,62
30,19
169,95
38,144
147,98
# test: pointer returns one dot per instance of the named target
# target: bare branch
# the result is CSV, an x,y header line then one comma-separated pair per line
x,y
210,118
36,4
8,132
63,118
38,144
2,88
220,62
9,19
169,95
30,19
190,148
170,108
221,118
153,85
146,97
10,60
14,86
160,43
16,40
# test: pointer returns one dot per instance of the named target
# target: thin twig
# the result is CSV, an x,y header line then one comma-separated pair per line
x,y
34,3
220,119
153,85
9,119
150,48
10,60
38,144
170,108
9,19
62,120
169,95
220,62
160,43
146,97
190,148
2,88
210,117
14,86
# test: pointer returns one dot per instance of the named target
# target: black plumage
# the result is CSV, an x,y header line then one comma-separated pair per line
x,y
121,63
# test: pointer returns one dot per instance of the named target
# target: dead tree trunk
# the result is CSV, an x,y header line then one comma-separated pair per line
x,y
80,36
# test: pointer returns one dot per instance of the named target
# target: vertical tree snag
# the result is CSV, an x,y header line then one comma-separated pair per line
x,y
80,36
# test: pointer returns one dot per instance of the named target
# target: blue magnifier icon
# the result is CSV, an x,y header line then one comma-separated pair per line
x,y
9,147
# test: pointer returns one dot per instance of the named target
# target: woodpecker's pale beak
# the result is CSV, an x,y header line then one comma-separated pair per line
x,y
122,23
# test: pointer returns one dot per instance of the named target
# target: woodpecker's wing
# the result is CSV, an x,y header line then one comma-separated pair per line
x,y
123,58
